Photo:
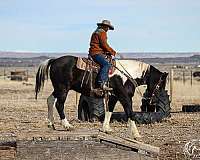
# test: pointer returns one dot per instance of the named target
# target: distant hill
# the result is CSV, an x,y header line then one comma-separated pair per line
x,y
22,62
23,59
194,59
5,54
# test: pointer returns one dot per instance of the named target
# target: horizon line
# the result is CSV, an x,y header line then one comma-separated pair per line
x,y
1,51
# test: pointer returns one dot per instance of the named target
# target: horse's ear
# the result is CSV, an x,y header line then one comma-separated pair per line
x,y
164,76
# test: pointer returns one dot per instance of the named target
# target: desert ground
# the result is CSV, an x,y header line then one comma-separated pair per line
x,y
22,114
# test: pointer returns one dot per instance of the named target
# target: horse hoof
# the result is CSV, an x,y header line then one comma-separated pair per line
x,y
94,120
107,131
51,126
138,139
69,128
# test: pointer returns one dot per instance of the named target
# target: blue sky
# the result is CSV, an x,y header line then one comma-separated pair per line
x,y
66,26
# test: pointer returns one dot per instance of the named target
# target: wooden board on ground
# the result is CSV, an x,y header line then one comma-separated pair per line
x,y
7,140
130,143
8,146
88,143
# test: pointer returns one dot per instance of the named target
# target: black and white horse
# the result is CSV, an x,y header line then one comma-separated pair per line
x,y
65,76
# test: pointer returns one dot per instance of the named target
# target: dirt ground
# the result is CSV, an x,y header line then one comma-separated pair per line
x,y
21,114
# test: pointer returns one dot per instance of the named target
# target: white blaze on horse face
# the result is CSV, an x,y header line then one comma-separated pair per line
x,y
132,129
135,68
51,100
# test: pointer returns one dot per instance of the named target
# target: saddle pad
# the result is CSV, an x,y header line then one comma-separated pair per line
x,y
80,64
85,64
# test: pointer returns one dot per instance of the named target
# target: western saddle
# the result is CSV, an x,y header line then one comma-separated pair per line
x,y
89,65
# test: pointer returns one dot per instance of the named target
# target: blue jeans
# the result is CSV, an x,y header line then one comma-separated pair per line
x,y
102,76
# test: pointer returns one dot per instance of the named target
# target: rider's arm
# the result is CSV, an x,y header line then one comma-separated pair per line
x,y
104,44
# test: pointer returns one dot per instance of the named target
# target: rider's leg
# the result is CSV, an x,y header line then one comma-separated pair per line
x,y
102,76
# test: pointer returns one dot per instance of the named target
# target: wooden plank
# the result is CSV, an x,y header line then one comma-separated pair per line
x,y
8,146
55,150
59,135
144,146
171,84
133,144
7,140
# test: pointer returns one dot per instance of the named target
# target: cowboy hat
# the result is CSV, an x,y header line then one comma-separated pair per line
x,y
106,23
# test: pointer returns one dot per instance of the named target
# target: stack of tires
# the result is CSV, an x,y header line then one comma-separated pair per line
x,y
156,111
91,108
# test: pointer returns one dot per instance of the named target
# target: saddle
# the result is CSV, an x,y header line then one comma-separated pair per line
x,y
87,64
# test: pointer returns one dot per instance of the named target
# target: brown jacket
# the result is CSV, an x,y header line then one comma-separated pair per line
x,y
98,43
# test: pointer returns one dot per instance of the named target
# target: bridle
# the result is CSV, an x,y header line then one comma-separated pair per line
x,y
145,77
156,89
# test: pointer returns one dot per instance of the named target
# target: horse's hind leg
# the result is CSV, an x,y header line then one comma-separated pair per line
x,y
61,97
51,100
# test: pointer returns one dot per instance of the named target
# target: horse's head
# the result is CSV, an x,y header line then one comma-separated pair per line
x,y
155,80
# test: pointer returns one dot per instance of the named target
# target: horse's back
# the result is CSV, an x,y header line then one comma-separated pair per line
x,y
65,60
61,68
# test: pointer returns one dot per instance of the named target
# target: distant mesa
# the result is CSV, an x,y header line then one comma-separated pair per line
x,y
20,59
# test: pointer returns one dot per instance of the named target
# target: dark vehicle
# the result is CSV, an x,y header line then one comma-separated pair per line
x,y
196,74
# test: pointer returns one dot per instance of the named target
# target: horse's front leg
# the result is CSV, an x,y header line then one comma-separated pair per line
x,y
126,102
132,128
108,113
60,108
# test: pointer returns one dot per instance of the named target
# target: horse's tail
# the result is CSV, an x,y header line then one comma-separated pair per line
x,y
42,75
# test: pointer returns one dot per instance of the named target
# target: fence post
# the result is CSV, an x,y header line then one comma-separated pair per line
x,y
27,74
4,73
77,102
183,77
191,78
171,84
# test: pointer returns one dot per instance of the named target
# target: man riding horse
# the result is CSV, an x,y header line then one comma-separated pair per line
x,y
66,76
99,49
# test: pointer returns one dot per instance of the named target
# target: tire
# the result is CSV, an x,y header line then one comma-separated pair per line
x,y
191,108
